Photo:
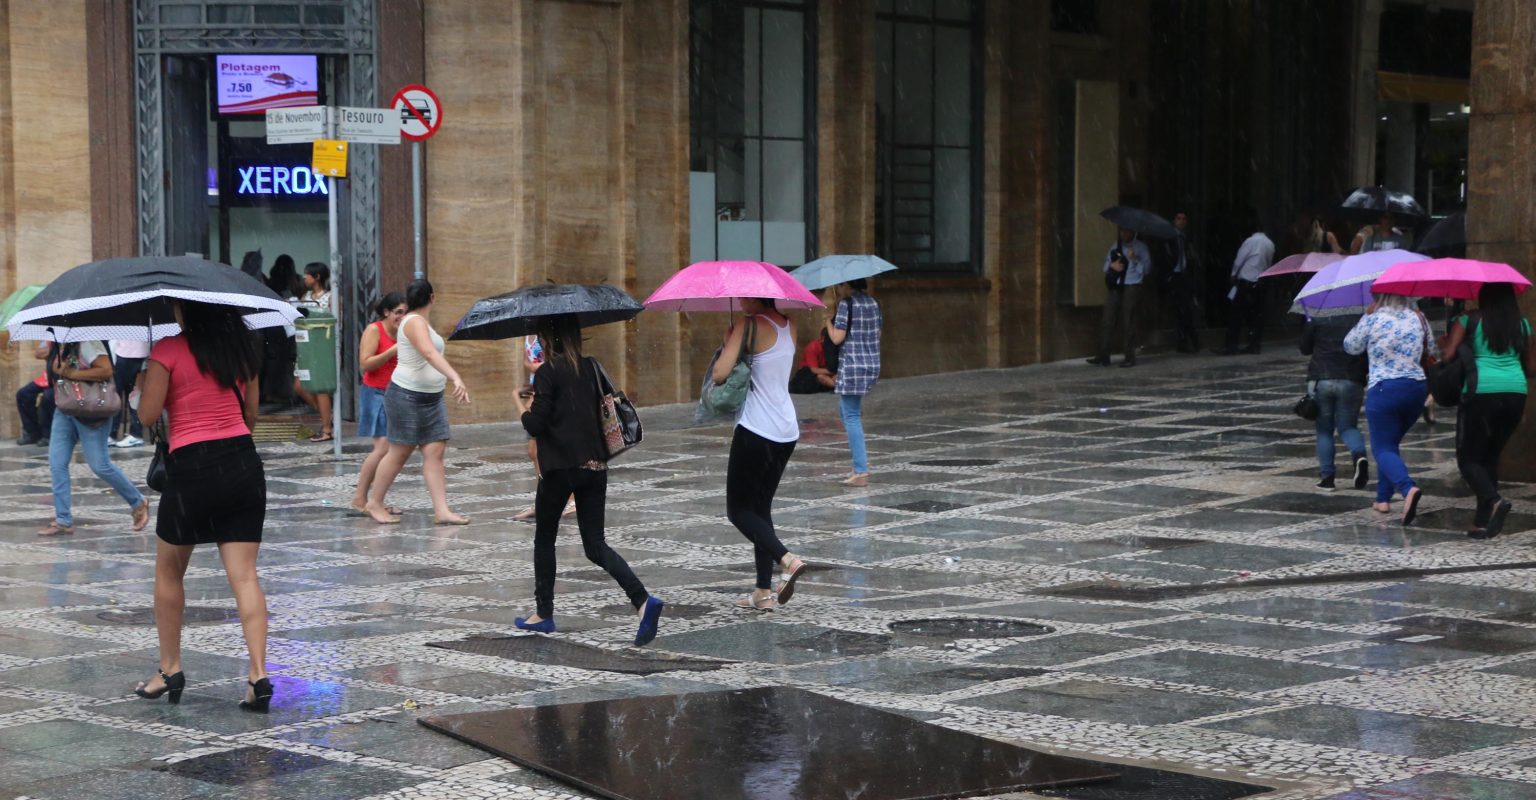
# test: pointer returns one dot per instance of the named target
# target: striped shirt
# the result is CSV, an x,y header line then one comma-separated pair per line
x,y
858,360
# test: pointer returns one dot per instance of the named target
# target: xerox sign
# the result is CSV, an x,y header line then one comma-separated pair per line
x,y
252,84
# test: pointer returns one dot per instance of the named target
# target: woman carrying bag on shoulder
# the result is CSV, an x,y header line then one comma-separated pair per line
x,y
76,370
766,432
563,418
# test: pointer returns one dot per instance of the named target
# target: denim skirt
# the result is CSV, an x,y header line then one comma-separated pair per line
x,y
372,420
415,418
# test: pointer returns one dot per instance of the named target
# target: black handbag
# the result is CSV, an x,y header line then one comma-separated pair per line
x,y
1306,407
830,351
1447,379
617,417
156,477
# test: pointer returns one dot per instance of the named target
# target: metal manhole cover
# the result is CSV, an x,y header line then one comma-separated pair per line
x,y
968,628
928,506
956,462
243,765
146,616
844,643
1156,542
559,653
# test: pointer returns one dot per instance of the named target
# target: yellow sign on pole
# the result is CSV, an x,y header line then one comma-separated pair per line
x,y
330,158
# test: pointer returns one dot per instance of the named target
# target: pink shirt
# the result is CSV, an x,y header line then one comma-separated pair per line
x,y
200,409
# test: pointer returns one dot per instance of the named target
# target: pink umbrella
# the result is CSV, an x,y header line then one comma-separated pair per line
x,y
718,286
1301,263
1456,278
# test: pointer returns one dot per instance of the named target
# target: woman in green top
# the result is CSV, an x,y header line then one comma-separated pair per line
x,y
1504,356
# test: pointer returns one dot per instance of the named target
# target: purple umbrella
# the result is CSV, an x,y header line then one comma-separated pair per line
x,y
1344,287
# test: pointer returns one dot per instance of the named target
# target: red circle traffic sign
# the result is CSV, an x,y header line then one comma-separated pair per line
x,y
421,113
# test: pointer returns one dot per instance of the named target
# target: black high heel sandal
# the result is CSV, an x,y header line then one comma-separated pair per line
x,y
261,691
174,684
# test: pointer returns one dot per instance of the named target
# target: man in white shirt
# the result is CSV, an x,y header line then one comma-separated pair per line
x,y
127,360
1256,255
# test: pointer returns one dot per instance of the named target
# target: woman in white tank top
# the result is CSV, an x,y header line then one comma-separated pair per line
x,y
766,432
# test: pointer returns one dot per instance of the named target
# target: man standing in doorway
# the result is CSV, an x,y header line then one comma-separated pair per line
x,y
1255,256
1181,290
1125,266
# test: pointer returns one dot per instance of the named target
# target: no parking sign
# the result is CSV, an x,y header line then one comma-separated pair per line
x,y
421,113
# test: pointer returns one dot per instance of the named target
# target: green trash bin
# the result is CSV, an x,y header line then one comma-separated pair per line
x,y
315,335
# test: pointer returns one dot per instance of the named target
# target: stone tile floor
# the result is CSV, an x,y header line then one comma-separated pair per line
x,y
996,495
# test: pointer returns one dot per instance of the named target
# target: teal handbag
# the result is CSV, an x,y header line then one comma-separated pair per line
x,y
727,398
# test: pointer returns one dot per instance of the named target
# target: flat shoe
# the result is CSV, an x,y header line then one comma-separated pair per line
x,y
55,529
321,437
1411,505
787,589
1501,511
393,511
857,479
745,602
459,521
525,514
141,515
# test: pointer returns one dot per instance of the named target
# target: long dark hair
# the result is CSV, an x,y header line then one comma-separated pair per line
x,y
285,278
387,304
223,347
321,272
418,294
561,337
1500,316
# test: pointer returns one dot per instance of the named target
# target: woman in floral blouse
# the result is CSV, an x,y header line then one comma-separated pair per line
x,y
1395,338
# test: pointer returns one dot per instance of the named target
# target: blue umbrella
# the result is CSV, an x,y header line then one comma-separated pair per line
x,y
832,270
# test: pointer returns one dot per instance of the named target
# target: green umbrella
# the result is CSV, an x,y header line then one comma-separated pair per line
x,y
18,298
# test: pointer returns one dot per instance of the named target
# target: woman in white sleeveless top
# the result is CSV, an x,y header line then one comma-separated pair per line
x,y
766,432
418,417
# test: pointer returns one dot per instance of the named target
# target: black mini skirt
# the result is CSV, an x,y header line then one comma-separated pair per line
x,y
217,493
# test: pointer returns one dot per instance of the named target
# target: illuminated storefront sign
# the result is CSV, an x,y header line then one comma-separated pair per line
x,y
279,180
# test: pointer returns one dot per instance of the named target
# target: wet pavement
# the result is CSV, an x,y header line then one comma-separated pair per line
x,y
1055,556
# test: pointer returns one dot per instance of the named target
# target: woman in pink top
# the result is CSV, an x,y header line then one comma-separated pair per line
x,y
206,382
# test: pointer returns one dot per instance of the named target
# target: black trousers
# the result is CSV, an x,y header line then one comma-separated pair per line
x,y
751,479
1247,313
124,372
591,490
1484,423
36,418
1181,295
1120,308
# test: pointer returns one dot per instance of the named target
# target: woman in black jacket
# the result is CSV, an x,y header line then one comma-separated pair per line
x,y
563,419
1338,385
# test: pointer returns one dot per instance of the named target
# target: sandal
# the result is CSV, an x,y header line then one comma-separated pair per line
x,y
55,529
393,511
764,603
321,437
524,515
570,508
792,572
1411,505
141,515
459,521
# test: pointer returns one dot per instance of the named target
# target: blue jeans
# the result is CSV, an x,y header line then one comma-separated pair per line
x,y
93,439
851,407
1338,408
1391,408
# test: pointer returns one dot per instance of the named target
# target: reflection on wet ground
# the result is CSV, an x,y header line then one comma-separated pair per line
x,y
1000,576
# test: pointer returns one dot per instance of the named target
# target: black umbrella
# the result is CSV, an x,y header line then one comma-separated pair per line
x,y
131,298
1446,238
517,313
1369,202
1145,223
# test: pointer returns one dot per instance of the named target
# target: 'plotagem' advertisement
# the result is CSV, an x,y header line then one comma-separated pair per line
x,y
252,84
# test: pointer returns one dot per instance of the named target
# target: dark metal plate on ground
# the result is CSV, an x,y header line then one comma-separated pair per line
x,y
1141,783
243,765
560,653
146,616
751,743
956,462
844,643
968,628
928,506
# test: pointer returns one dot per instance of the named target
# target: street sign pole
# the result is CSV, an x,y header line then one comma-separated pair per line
x,y
420,263
335,297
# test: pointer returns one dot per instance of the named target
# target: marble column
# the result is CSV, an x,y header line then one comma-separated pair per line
x,y
1501,208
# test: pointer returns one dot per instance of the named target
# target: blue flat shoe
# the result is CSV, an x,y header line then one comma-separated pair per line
x,y
542,626
649,621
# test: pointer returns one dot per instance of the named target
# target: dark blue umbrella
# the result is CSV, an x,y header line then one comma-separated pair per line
x,y
518,313
1446,238
1369,202
1142,222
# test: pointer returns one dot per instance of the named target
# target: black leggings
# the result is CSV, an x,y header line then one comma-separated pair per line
x,y
751,478
591,490
1484,423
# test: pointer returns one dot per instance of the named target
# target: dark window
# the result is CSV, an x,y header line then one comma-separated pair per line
x,y
927,135
751,114
1421,41
1075,16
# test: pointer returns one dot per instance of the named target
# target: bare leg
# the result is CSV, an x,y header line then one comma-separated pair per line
x,y
240,565
432,470
389,469
304,394
366,474
170,602
324,402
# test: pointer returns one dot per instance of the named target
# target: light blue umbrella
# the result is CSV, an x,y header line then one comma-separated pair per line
x,y
832,270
